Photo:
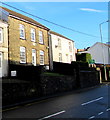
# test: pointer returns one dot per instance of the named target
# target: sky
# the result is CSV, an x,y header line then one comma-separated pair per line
x,y
83,17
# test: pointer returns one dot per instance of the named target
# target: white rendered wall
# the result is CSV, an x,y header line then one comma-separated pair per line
x,y
100,53
64,49
4,49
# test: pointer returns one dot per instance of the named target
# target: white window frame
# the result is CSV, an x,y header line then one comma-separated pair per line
x,y
34,57
22,55
41,39
60,57
59,43
22,31
1,35
41,57
70,47
71,58
0,60
67,58
33,35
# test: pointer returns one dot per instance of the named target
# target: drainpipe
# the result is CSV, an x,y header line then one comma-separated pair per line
x,y
50,52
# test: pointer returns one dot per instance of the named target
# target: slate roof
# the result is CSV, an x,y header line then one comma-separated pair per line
x,y
13,13
52,32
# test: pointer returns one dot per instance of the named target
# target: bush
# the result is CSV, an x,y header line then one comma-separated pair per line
x,y
84,57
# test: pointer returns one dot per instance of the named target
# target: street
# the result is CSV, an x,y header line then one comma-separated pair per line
x,y
88,104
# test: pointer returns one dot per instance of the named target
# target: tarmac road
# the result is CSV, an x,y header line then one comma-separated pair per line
x,y
89,104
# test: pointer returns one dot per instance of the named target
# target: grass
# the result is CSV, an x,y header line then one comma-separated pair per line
x,y
7,80
52,74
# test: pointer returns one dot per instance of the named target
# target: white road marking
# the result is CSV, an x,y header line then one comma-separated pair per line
x,y
100,113
91,117
108,109
53,115
92,101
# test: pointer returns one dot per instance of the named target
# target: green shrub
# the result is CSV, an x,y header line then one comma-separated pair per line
x,y
83,57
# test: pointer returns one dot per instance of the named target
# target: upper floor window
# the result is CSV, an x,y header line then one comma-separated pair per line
x,y
41,37
59,43
41,57
22,31
22,55
1,35
33,35
70,47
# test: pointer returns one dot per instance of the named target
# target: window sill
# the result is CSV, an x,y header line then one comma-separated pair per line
x,y
22,63
41,43
41,64
22,38
33,42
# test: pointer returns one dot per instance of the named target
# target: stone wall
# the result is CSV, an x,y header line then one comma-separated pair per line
x,y
56,84
39,83
19,91
15,42
88,79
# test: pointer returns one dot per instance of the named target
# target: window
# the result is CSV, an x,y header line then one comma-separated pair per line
x,y
0,59
32,35
59,43
60,57
71,58
41,57
22,31
34,57
22,55
1,35
41,37
67,57
70,47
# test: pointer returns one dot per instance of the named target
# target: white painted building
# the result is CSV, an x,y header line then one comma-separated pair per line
x,y
3,43
63,49
100,52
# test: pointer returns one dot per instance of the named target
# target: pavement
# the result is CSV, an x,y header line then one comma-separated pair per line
x,y
91,103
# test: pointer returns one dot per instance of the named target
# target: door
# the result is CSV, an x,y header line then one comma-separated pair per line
x,y
34,57
0,64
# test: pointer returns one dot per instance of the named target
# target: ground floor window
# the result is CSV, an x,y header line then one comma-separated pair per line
x,y
60,57
22,55
71,58
34,57
0,64
0,59
41,57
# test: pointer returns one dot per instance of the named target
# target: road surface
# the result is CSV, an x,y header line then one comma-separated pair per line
x,y
89,104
